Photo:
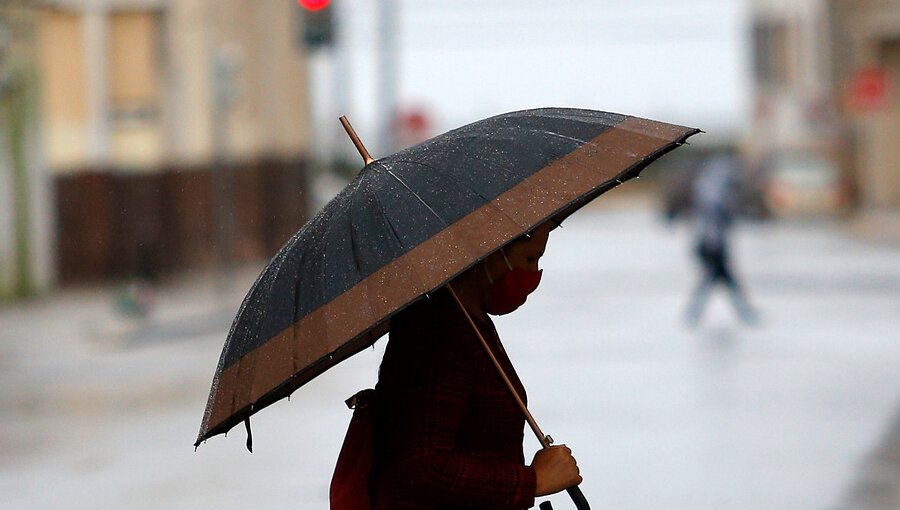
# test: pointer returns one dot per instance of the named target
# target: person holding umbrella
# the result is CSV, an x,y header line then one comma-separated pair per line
x,y
447,433
425,244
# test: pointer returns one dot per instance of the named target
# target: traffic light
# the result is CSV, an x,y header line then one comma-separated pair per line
x,y
318,26
313,5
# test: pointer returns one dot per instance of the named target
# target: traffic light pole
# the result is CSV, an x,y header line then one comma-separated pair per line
x,y
387,74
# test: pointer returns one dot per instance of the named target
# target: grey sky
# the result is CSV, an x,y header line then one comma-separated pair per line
x,y
683,61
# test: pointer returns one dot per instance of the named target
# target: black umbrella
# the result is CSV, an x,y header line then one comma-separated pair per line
x,y
408,224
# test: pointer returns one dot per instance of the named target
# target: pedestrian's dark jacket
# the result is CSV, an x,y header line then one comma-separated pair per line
x,y
448,432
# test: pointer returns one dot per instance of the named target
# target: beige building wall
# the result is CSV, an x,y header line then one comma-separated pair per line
x,y
131,84
816,47
882,184
63,88
134,78
187,101
270,81
867,33
175,133
280,133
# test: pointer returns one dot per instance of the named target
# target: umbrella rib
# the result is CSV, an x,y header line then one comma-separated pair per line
x,y
491,202
403,248
324,273
558,135
420,199
470,188
390,225
400,242
354,244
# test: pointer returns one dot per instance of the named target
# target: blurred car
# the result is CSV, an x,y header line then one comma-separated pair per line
x,y
802,183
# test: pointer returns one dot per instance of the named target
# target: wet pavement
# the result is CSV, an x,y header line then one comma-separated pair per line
x,y
801,411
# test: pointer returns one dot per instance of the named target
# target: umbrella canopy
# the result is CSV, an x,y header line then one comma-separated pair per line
x,y
407,225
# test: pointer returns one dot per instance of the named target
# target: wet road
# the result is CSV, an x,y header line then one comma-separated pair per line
x,y
797,412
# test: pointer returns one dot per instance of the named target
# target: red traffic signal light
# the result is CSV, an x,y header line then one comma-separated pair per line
x,y
313,5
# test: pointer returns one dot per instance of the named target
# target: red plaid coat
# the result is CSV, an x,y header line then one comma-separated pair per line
x,y
448,433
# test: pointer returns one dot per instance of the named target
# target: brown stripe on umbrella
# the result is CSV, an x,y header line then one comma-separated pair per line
x,y
349,318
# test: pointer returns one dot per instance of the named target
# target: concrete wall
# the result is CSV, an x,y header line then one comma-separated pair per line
x,y
786,110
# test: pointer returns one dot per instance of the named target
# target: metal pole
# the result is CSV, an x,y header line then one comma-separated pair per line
x,y
225,66
340,72
96,51
17,108
387,74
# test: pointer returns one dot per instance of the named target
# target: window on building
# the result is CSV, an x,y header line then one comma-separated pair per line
x,y
64,96
134,87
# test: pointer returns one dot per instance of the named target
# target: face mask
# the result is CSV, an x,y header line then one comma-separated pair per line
x,y
512,289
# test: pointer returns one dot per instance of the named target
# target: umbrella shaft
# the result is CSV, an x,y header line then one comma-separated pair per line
x,y
544,440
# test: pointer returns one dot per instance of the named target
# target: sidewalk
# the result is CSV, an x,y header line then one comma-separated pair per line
x,y
877,225
877,486
799,413
70,355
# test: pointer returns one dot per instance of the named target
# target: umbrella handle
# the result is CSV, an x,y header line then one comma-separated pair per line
x,y
578,498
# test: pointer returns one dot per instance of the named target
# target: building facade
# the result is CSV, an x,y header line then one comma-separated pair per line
x,y
175,132
866,74
827,95
795,139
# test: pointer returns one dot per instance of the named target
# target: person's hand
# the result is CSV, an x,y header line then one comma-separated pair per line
x,y
555,469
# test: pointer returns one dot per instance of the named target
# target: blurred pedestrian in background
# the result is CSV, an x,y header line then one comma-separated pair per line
x,y
715,203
